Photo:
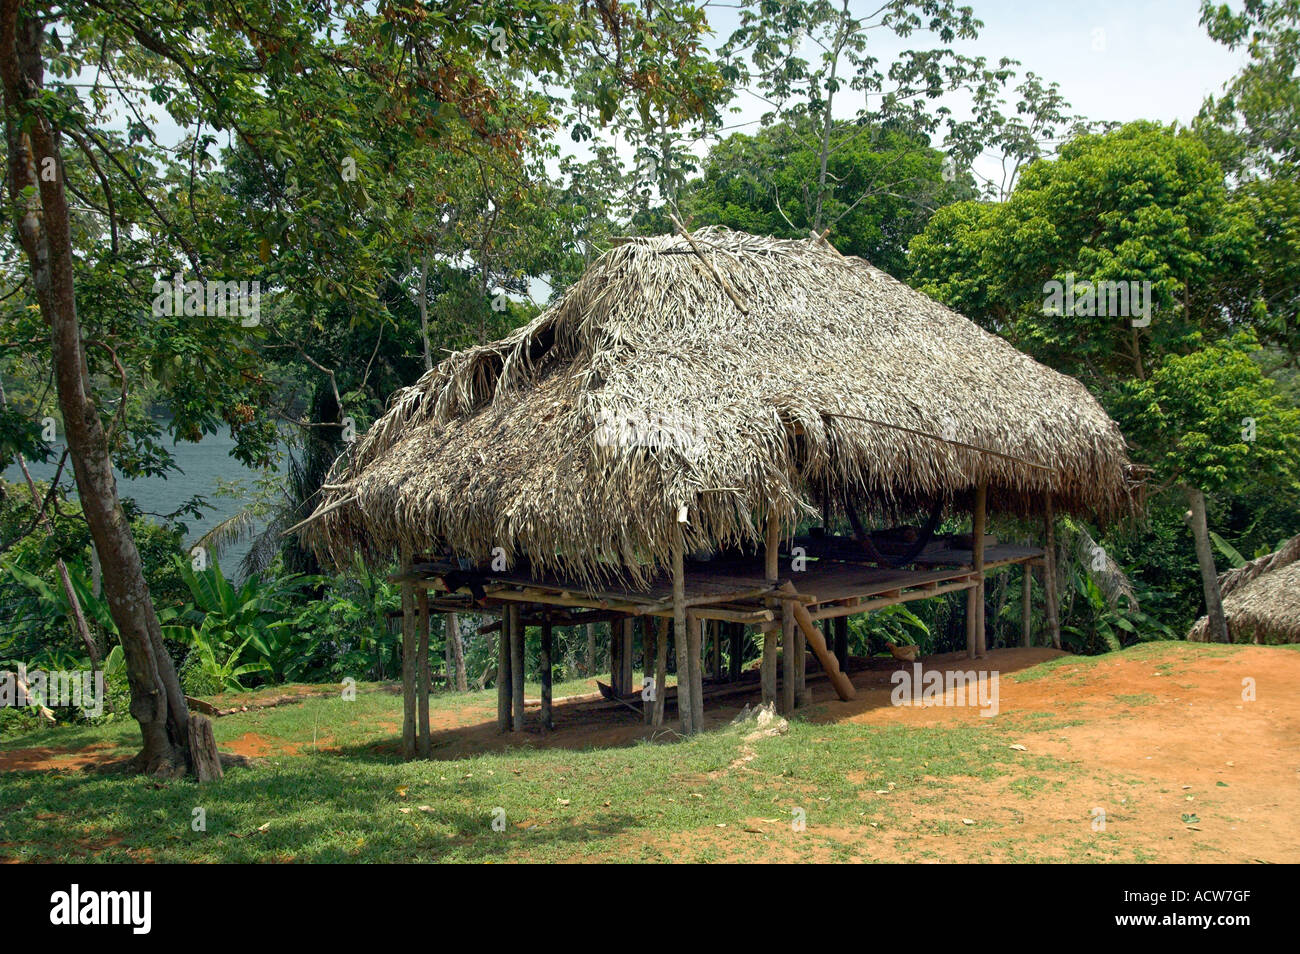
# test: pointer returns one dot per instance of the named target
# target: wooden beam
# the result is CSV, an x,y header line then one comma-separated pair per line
x,y
679,634
517,669
425,740
548,722
408,662
837,611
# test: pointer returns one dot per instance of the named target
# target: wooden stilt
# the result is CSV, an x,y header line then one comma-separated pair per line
x,y
504,692
661,671
615,650
801,694
787,658
840,680
408,659
842,642
1027,606
684,708
626,656
548,721
735,651
715,643
694,634
977,555
771,631
1049,575
517,667
425,738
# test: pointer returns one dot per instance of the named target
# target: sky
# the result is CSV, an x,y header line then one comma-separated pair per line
x,y
1113,60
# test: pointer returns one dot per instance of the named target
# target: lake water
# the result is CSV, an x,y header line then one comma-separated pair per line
x,y
201,466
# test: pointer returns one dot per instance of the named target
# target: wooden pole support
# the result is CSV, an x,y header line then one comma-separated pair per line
x,y
843,685
408,659
680,637
516,667
425,738
1027,606
694,636
771,564
548,722
661,671
504,692
1049,574
787,657
977,557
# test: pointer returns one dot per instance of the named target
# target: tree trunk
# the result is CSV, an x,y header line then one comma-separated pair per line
x,y
1218,625
44,229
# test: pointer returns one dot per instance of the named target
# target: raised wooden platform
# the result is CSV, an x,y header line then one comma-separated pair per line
x,y
828,574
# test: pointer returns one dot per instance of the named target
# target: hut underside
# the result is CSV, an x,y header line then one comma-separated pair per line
x,y
782,592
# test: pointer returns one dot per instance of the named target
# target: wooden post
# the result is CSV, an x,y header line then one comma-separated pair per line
x,y
801,694
591,647
504,693
715,637
455,654
771,563
694,634
977,556
1049,574
735,650
787,658
684,708
408,657
842,642
425,745
840,680
548,722
1027,606
626,656
517,667
615,647
661,671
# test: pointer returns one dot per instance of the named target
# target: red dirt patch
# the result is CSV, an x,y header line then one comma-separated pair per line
x,y
50,758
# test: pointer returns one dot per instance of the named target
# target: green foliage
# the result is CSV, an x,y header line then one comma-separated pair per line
x,y
1212,420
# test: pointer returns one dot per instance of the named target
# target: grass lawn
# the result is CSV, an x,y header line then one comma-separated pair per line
x,y
330,789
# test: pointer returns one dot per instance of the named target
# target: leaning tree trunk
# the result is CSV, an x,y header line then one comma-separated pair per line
x,y
44,229
1218,625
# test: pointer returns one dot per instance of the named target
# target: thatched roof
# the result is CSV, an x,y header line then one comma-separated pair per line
x,y
732,361
1261,600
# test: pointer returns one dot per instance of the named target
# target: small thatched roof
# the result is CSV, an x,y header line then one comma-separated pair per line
x,y
746,367
1261,600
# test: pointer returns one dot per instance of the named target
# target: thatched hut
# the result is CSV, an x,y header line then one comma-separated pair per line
x,y
1261,600
708,393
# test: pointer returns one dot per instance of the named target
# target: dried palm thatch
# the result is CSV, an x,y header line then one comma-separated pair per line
x,y
720,377
1261,600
